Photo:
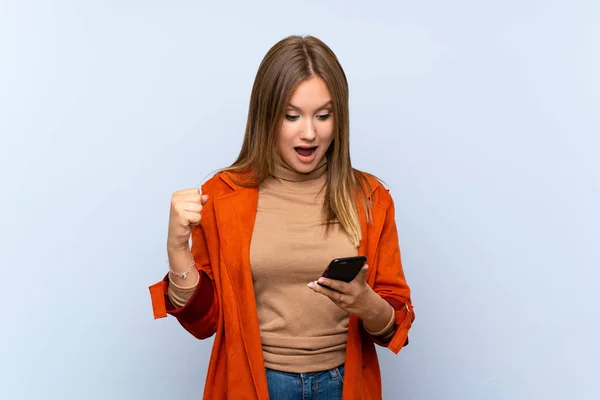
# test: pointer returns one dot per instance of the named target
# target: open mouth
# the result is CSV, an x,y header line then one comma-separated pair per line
x,y
305,151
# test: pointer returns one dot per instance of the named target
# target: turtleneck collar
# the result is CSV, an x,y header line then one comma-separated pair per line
x,y
285,172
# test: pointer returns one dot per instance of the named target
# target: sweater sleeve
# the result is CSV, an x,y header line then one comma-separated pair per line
x,y
179,296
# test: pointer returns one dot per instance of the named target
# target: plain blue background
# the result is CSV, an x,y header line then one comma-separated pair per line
x,y
481,116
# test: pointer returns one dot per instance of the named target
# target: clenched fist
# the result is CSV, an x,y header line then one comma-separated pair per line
x,y
186,209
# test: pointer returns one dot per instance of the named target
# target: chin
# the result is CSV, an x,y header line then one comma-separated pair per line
x,y
302,168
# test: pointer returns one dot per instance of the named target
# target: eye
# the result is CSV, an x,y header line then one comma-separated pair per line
x,y
323,117
291,117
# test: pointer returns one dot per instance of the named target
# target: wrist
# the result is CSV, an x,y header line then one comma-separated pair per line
x,y
180,259
375,308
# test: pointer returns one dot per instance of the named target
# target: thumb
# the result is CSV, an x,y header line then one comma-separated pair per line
x,y
362,274
204,199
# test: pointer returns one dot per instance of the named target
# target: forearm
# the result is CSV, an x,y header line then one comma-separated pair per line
x,y
380,315
180,261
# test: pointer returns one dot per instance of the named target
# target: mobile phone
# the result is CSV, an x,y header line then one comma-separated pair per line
x,y
345,268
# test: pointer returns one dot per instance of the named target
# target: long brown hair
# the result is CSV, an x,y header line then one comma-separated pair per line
x,y
288,63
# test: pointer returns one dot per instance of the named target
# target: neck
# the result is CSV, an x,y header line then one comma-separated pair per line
x,y
284,171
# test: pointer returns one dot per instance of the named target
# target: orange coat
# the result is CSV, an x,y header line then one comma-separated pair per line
x,y
224,303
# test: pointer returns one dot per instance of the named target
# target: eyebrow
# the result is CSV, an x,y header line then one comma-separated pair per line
x,y
299,109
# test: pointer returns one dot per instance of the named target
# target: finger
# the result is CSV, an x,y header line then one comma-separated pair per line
x,y
362,274
192,206
204,199
193,218
339,286
332,294
188,191
197,197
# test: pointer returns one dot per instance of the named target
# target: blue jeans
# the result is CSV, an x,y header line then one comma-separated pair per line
x,y
322,385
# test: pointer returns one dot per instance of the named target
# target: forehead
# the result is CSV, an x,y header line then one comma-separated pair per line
x,y
311,93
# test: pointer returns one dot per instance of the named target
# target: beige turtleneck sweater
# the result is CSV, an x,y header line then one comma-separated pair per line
x,y
301,331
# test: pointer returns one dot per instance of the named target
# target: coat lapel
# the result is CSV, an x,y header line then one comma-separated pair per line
x,y
371,241
371,232
235,215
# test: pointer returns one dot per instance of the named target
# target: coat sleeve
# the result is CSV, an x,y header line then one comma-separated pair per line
x,y
390,282
200,314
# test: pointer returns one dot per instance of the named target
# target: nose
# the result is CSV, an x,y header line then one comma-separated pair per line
x,y
308,131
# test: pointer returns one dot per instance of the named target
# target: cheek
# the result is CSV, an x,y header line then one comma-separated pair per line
x,y
326,132
284,137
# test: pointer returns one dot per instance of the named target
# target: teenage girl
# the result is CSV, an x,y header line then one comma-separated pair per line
x,y
264,229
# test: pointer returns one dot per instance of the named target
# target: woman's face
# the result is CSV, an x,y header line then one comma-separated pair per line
x,y
307,128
